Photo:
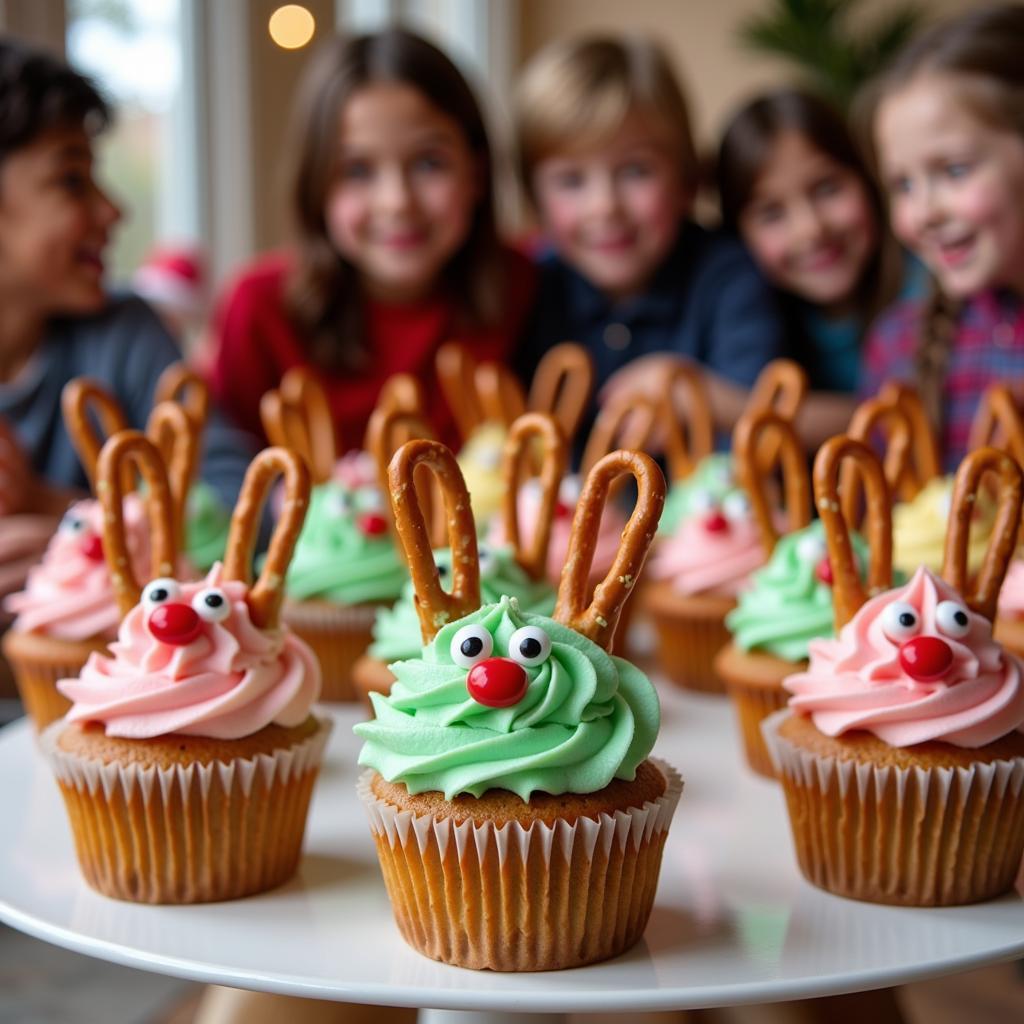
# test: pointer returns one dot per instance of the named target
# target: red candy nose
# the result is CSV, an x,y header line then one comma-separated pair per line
x,y
562,510
497,683
715,522
174,624
92,548
926,658
373,524
824,572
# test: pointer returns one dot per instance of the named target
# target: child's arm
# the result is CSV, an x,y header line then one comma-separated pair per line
x,y
21,489
23,539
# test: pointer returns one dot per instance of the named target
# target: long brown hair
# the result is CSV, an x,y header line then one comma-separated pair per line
x,y
984,49
746,147
322,294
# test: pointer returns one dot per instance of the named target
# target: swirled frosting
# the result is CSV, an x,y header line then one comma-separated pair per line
x,y
396,630
480,462
858,680
69,595
712,479
345,552
609,533
1011,596
586,718
788,604
207,523
919,528
230,681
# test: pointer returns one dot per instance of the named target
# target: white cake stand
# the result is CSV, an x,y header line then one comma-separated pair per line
x,y
733,921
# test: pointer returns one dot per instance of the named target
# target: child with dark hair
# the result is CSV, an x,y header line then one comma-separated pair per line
x,y
56,320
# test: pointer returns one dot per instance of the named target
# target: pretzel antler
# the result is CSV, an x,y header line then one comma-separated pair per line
x,y
456,372
112,468
264,599
998,423
181,384
562,385
298,416
872,416
984,596
79,398
434,606
528,428
626,422
500,393
597,615
925,463
848,593
403,393
748,440
175,435
690,427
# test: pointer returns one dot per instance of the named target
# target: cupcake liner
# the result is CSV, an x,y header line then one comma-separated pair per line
x,y
38,662
921,836
189,833
338,634
518,898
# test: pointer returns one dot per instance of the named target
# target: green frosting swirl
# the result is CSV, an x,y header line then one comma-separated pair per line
x,y
586,718
207,522
396,630
712,479
334,560
787,606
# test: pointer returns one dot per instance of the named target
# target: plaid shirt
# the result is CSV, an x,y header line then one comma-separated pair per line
x,y
988,346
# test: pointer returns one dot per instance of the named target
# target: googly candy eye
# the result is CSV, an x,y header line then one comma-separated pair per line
x,y
488,563
529,646
703,502
160,591
369,499
73,524
736,507
470,646
811,549
953,619
211,605
339,503
569,489
900,621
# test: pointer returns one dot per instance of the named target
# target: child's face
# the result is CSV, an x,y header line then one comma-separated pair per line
x,y
612,210
55,223
404,192
956,185
809,223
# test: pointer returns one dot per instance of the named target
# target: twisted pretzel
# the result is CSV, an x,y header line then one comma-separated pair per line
x,y
562,385
434,605
178,383
690,428
402,392
781,386
872,416
456,372
112,467
984,596
264,599
596,615
925,463
748,440
626,422
298,416
848,593
528,428
79,398
175,435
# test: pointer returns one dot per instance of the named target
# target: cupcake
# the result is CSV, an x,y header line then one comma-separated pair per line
x,y
902,753
345,564
517,816
68,608
188,757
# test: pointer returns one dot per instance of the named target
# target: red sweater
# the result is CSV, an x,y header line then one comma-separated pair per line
x,y
254,343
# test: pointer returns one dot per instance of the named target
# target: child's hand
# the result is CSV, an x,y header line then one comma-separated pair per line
x,y
23,540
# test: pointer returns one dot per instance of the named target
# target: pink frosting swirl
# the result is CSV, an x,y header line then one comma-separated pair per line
x,y
1011,597
69,595
859,680
230,681
609,534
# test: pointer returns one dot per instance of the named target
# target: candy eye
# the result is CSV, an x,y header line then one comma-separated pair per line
x,y
736,507
952,619
471,645
73,524
340,503
369,499
529,646
810,549
160,591
211,605
488,563
703,502
900,621
723,475
569,490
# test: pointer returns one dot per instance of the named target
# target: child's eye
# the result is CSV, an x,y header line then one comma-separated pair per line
x,y
429,163
635,171
771,213
567,180
899,185
356,170
957,170
825,188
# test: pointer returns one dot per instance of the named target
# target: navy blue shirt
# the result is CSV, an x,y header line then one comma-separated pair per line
x,y
125,348
707,301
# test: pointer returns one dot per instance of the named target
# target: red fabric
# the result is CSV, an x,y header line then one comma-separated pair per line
x,y
255,343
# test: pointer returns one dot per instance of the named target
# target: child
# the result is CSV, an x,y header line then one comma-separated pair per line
x,y
58,322
793,185
607,159
396,247
948,126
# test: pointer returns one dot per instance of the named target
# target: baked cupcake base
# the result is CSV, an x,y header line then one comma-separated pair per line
x,y
924,826
186,819
38,663
753,680
691,631
501,884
